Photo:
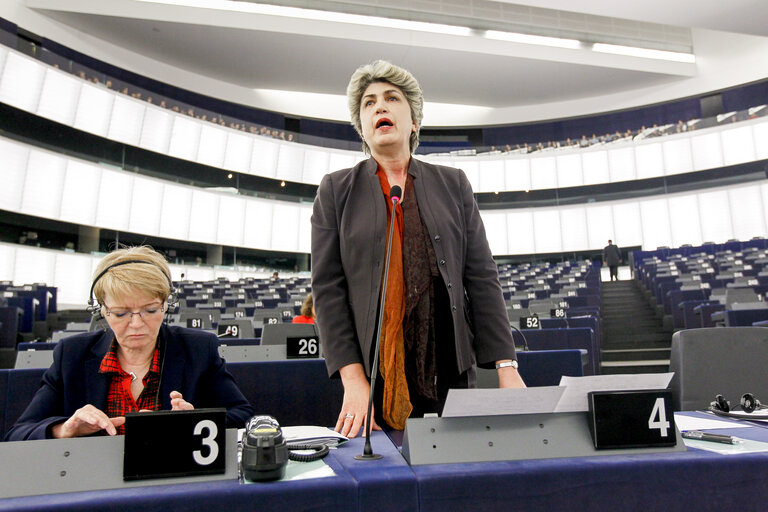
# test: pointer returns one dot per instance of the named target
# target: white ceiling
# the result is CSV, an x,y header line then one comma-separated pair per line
x,y
251,58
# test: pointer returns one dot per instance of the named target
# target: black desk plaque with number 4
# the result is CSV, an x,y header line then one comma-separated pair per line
x,y
632,419
174,443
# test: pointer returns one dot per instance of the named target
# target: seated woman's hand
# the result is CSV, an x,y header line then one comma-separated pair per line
x,y
85,421
178,403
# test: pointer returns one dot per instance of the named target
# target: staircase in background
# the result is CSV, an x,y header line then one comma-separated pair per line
x,y
634,339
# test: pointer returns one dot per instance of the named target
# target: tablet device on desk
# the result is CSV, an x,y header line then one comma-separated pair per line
x,y
174,443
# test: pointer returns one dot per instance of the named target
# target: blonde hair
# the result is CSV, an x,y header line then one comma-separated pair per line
x,y
306,307
152,278
383,71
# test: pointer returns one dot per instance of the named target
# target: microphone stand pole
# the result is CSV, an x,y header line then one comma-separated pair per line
x,y
367,450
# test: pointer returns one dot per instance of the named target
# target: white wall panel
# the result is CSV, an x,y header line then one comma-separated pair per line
x,y
80,194
492,176
715,209
707,151
738,146
649,161
231,221
677,155
628,227
7,260
72,276
176,211
746,212
204,219
21,82
3,57
546,230
622,164
496,230
264,157
573,225
543,173
34,266
685,224
213,145
599,225
316,165
654,214
59,96
760,134
238,155
126,121
305,229
518,174
258,224
146,206
156,130
285,228
472,170
345,160
185,137
13,170
94,109
595,167
569,172
520,232
290,162
114,204
43,184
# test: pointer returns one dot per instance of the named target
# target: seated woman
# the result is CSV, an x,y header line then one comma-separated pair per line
x,y
307,315
137,364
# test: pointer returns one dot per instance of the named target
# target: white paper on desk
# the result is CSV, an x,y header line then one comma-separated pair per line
x,y
697,422
495,402
574,398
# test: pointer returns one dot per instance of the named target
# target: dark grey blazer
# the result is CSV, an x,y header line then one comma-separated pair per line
x,y
349,232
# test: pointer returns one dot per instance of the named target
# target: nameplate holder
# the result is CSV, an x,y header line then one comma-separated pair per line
x,y
228,330
632,419
302,348
530,322
174,443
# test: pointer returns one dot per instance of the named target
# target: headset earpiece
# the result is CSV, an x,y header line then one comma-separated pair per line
x,y
749,403
720,404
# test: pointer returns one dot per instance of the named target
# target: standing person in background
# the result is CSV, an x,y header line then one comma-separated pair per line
x,y
444,308
612,258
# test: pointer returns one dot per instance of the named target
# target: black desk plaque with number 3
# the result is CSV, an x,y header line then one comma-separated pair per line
x,y
632,419
174,443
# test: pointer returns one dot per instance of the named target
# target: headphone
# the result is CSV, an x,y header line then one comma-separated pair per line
x,y
748,404
94,308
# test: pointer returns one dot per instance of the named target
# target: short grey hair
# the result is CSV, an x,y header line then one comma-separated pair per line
x,y
383,71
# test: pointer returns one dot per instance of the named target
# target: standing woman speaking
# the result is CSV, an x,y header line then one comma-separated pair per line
x,y
444,310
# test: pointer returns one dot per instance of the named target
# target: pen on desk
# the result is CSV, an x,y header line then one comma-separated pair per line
x,y
706,436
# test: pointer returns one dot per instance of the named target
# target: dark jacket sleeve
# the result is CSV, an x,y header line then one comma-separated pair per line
x,y
219,389
488,314
329,284
46,408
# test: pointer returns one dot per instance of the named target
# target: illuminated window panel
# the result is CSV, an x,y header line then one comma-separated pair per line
x,y
760,132
305,229
543,173
213,145
14,172
43,184
3,56
345,160
573,225
94,109
7,260
684,220
715,216
569,172
595,167
654,214
290,162
738,145
547,230
677,155
59,96
518,174
185,137
231,221
127,118
264,157
200,274
34,266
285,228
492,176
175,214
258,224
114,205
21,82
520,232
707,151
472,171
238,155
599,219
650,161
146,206
627,224
80,194
72,277
622,164
747,212
156,130
204,217
495,223
316,165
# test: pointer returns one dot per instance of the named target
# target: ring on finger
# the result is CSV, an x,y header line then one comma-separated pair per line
x,y
349,416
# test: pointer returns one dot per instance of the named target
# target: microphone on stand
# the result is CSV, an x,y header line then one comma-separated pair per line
x,y
394,196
